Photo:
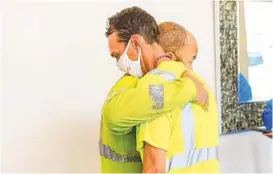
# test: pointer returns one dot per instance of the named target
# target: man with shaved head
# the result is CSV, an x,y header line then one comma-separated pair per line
x,y
154,97
178,40
164,148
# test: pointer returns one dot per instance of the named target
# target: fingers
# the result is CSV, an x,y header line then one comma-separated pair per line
x,y
202,94
205,104
203,99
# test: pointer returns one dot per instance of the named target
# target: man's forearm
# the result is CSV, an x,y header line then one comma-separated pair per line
x,y
157,93
139,105
154,159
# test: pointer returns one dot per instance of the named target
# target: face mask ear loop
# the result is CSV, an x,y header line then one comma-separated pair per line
x,y
139,54
127,47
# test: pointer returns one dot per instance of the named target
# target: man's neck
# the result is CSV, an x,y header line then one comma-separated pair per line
x,y
158,51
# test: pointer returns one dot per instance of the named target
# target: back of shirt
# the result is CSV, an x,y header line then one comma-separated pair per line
x,y
190,137
197,152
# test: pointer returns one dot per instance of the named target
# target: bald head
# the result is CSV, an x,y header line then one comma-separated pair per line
x,y
178,40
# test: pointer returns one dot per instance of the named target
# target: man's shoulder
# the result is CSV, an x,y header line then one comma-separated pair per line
x,y
126,81
176,68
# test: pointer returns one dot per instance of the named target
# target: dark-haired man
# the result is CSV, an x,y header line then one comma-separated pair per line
x,y
133,41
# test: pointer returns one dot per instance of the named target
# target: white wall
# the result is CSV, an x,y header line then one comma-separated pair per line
x,y
1,51
57,72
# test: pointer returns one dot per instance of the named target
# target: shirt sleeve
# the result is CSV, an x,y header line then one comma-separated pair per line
x,y
157,133
153,96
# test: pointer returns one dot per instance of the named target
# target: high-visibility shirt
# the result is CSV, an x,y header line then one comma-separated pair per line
x,y
132,102
189,135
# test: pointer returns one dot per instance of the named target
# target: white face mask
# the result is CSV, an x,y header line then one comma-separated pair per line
x,y
128,66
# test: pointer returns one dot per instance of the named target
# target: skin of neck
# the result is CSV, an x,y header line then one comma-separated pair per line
x,y
157,51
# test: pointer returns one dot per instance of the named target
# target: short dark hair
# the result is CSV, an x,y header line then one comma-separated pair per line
x,y
133,20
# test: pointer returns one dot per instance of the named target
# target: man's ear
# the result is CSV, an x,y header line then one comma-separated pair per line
x,y
179,55
139,41
173,56
135,42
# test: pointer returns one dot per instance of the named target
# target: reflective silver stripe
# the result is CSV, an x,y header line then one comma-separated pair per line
x,y
164,74
109,153
157,94
187,123
157,91
191,155
203,154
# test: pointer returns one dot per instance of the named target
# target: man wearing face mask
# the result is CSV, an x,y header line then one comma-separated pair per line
x,y
133,41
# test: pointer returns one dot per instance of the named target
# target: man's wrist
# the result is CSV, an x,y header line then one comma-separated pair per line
x,y
192,86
